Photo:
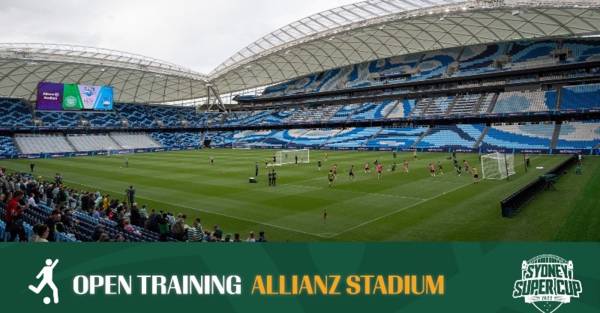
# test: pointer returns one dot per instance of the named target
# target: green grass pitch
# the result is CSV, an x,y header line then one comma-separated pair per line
x,y
399,207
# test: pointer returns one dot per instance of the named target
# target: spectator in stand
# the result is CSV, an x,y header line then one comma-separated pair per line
x,y
261,237
194,233
163,227
14,217
136,216
58,179
40,233
218,233
251,237
31,201
51,222
98,232
178,230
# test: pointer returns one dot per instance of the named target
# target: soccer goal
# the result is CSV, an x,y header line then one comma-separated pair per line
x,y
497,165
284,157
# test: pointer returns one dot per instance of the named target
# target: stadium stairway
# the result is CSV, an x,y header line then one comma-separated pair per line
x,y
493,103
71,144
480,139
423,135
555,135
451,105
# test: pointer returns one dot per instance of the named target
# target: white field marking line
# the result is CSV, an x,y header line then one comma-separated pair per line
x,y
211,212
408,207
359,192
400,210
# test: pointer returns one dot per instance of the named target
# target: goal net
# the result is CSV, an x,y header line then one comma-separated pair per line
x,y
497,165
284,157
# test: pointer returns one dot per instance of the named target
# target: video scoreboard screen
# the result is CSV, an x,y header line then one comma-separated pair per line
x,y
73,97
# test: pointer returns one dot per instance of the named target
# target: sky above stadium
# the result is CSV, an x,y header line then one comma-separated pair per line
x,y
196,34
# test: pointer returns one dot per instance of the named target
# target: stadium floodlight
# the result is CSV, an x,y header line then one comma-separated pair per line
x,y
497,166
284,157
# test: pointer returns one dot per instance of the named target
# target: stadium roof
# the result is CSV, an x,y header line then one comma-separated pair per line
x,y
377,29
135,78
350,34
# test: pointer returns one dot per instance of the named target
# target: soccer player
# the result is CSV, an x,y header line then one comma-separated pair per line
x,y
326,156
395,154
394,166
31,167
475,175
212,161
274,178
405,166
440,168
367,168
126,162
256,170
457,168
296,158
351,173
431,169
379,168
466,166
319,165
324,216
130,192
330,177
415,154
274,159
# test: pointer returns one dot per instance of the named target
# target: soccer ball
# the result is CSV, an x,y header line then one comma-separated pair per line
x,y
46,300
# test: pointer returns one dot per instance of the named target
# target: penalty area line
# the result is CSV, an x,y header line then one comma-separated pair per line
x,y
399,210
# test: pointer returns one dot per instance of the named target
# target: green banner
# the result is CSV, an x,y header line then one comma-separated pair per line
x,y
394,277
72,98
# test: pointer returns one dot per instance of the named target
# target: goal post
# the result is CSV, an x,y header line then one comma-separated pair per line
x,y
284,157
497,166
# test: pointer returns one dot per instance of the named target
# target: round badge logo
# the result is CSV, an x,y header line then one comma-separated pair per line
x,y
547,282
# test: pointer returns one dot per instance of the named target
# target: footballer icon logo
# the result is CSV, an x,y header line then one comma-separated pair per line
x,y
46,274
547,282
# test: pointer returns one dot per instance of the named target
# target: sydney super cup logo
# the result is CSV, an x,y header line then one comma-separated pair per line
x,y
547,282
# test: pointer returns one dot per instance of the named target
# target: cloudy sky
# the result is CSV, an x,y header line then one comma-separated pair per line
x,y
197,34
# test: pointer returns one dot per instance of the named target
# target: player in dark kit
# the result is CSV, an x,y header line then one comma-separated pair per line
x,y
319,165
256,170
330,177
458,168
351,173
324,216
296,159
31,167
274,178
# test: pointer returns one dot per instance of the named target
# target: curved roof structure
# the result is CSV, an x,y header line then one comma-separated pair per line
x,y
376,29
135,78
350,34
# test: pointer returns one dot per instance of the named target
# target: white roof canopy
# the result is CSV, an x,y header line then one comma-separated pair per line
x,y
378,29
135,78
351,34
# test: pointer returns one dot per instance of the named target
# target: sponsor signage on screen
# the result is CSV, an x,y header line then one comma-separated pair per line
x,y
73,97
